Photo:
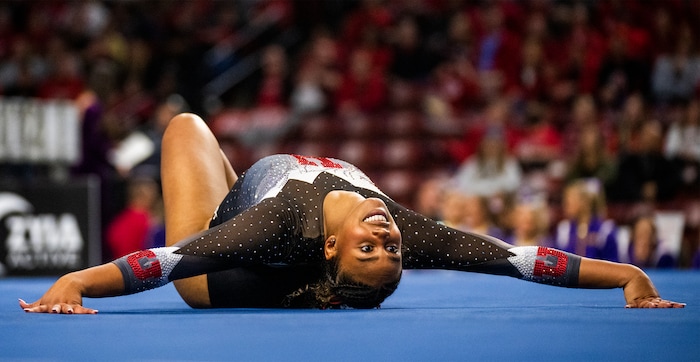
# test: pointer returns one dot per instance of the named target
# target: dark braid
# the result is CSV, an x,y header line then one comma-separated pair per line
x,y
337,291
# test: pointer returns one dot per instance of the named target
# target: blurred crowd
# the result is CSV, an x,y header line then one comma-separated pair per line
x,y
573,124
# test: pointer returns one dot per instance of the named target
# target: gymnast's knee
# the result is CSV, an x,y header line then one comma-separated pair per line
x,y
184,122
194,291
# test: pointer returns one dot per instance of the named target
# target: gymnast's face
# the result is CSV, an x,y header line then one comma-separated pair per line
x,y
363,236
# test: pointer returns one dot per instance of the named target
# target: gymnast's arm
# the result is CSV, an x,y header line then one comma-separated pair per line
x,y
638,289
429,245
66,294
147,269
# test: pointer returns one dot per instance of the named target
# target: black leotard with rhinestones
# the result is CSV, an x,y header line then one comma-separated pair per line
x,y
285,226
266,238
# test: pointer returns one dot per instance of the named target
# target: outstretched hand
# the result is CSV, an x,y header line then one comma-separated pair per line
x,y
64,297
653,302
638,288
640,293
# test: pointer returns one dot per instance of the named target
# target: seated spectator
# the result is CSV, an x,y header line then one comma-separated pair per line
x,y
534,78
496,48
273,84
411,61
644,248
682,144
453,211
165,110
580,52
479,218
429,197
492,170
363,89
630,122
541,142
585,113
455,81
496,115
317,76
621,72
646,175
590,158
65,79
22,71
134,227
675,76
585,230
530,220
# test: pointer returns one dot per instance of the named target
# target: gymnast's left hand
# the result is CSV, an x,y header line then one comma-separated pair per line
x,y
641,293
63,297
653,302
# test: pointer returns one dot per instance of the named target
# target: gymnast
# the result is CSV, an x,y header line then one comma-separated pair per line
x,y
305,232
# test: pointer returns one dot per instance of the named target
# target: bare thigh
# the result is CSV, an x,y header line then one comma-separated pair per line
x,y
196,177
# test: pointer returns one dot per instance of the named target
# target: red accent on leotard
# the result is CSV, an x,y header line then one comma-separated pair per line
x,y
145,264
311,161
550,262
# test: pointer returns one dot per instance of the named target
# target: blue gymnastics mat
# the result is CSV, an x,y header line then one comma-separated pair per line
x,y
434,316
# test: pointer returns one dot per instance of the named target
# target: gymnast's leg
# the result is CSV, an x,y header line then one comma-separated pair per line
x,y
196,177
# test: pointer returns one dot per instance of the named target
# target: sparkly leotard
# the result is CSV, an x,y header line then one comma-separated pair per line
x,y
269,230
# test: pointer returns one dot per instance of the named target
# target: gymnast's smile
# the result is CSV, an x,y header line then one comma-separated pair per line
x,y
362,234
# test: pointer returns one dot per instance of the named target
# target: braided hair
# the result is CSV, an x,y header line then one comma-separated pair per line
x,y
336,290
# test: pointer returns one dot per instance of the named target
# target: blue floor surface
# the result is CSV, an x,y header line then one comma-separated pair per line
x,y
434,316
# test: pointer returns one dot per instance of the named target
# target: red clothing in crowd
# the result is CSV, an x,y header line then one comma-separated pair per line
x,y
128,232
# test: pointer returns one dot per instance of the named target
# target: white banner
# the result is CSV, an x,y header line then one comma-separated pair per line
x,y
39,131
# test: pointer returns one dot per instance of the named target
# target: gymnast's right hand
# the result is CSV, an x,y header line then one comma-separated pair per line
x,y
64,296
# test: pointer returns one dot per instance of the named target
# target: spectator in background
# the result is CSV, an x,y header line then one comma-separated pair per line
x,y
584,49
492,170
682,144
453,87
363,88
541,142
411,60
621,74
370,16
584,113
372,39
461,40
23,70
479,216
273,85
453,211
496,48
644,248
677,75
153,130
65,79
133,228
95,143
663,31
591,159
496,114
645,175
585,230
530,221
318,75
534,74
429,197
629,124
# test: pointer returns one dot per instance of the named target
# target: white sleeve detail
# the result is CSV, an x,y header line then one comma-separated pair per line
x,y
524,260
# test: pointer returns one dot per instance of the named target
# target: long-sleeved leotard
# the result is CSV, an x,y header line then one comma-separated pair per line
x,y
273,217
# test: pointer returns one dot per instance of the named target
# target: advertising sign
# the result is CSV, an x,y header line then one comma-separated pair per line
x,y
49,228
